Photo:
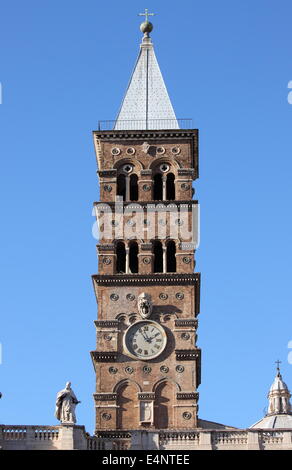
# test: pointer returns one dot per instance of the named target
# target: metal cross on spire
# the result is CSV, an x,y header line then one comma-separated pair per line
x,y
278,364
146,14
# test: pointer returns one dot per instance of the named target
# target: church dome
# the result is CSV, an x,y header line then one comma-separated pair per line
x,y
280,421
279,414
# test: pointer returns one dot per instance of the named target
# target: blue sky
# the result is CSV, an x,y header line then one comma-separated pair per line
x,y
65,65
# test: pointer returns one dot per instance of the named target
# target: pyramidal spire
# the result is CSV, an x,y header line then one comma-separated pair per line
x,y
146,104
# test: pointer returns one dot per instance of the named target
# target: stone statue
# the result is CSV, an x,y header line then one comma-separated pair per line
x,y
65,405
145,305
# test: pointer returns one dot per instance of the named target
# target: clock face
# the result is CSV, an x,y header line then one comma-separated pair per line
x,y
145,340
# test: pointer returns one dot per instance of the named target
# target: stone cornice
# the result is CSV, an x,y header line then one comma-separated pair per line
x,y
151,206
146,279
181,134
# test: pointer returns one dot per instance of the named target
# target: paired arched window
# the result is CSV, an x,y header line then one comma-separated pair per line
x,y
127,183
126,258
163,184
164,257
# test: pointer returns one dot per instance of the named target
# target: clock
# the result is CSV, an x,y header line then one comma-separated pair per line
x,y
145,340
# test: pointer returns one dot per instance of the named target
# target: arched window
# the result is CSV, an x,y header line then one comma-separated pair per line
x,y
170,187
170,257
121,186
133,187
158,256
133,257
121,257
157,187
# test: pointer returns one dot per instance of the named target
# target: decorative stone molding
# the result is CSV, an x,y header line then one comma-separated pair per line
x,y
186,323
146,246
147,172
99,356
164,369
106,323
187,396
106,247
146,396
187,354
107,173
105,396
186,172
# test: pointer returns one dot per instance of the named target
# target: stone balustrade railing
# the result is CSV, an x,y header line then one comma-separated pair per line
x,y
75,437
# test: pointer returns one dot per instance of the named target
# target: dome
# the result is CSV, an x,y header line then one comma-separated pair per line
x,y
279,421
278,384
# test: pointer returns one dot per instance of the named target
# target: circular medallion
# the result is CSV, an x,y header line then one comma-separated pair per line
x,y
145,340
175,150
160,150
180,369
185,186
147,369
129,370
130,297
127,168
107,337
179,295
106,416
146,260
164,369
115,151
163,296
186,259
185,336
187,415
146,187
106,261
130,151
114,297
164,168
113,370
107,187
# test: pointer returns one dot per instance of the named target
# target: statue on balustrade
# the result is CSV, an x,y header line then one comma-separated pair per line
x,y
65,405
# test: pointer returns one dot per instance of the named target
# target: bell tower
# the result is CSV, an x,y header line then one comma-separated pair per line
x,y
147,361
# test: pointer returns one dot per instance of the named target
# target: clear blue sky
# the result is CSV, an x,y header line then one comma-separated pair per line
x,y
64,66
